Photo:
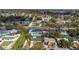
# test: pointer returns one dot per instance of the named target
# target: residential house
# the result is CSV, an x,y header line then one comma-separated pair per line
x,y
45,32
46,18
36,32
64,33
6,32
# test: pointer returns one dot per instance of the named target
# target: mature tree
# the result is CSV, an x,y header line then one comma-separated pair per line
x,y
58,35
72,33
65,44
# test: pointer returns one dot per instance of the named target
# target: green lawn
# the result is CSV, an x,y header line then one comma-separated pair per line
x,y
5,43
37,46
1,36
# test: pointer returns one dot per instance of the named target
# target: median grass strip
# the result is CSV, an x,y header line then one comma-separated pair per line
x,y
5,43
20,42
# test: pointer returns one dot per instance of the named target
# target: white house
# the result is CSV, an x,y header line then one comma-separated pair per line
x,y
35,32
